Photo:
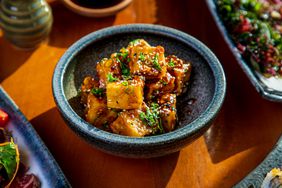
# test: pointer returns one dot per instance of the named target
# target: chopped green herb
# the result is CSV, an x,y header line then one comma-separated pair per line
x,y
142,56
134,42
155,109
97,91
123,56
9,158
124,77
124,69
151,121
111,78
160,126
123,59
163,82
171,63
154,105
128,59
148,118
125,83
156,63
142,116
151,116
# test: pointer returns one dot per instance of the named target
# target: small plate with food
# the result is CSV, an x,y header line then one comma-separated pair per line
x,y
24,159
252,30
139,90
268,174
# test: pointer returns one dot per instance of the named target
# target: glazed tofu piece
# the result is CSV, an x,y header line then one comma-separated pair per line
x,y
168,111
125,94
106,118
88,84
164,85
138,42
97,112
128,123
147,60
180,70
106,67
95,108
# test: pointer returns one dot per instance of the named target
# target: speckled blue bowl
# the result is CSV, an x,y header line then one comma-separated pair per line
x,y
196,108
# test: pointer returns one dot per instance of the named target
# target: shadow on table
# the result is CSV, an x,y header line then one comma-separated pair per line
x,y
68,26
11,58
234,131
84,166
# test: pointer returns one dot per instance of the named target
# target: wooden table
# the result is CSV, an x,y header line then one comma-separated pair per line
x,y
244,132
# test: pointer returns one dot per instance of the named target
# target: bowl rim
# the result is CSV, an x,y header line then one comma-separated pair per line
x,y
200,123
96,12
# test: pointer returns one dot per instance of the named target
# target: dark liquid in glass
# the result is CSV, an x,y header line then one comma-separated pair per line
x,y
97,3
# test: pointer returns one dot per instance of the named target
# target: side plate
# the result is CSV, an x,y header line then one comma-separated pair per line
x,y
33,152
256,177
266,91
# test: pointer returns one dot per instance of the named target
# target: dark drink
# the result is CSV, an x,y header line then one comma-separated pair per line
x,y
97,3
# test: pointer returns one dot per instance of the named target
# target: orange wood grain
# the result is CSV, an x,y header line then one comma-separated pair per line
x,y
244,132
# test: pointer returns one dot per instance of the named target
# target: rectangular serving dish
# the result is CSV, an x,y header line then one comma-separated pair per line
x,y
256,79
33,153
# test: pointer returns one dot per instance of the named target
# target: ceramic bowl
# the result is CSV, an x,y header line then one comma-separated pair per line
x,y
25,23
197,108
96,12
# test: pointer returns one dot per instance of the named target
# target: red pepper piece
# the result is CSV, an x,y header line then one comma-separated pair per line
x,y
3,118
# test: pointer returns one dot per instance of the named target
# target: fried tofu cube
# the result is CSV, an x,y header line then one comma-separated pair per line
x,y
125,94
94,108
97,112
164,85
87,85
168,111
181,71
182,76
147,61
106,67
129,124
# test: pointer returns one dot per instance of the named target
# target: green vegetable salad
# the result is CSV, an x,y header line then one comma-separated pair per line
x,y
256,26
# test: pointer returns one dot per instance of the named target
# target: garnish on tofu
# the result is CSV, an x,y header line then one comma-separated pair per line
x,y
129,124
135,91
111,78
181,71
146,60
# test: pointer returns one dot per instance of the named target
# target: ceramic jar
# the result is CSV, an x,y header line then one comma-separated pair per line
x,y
25,23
